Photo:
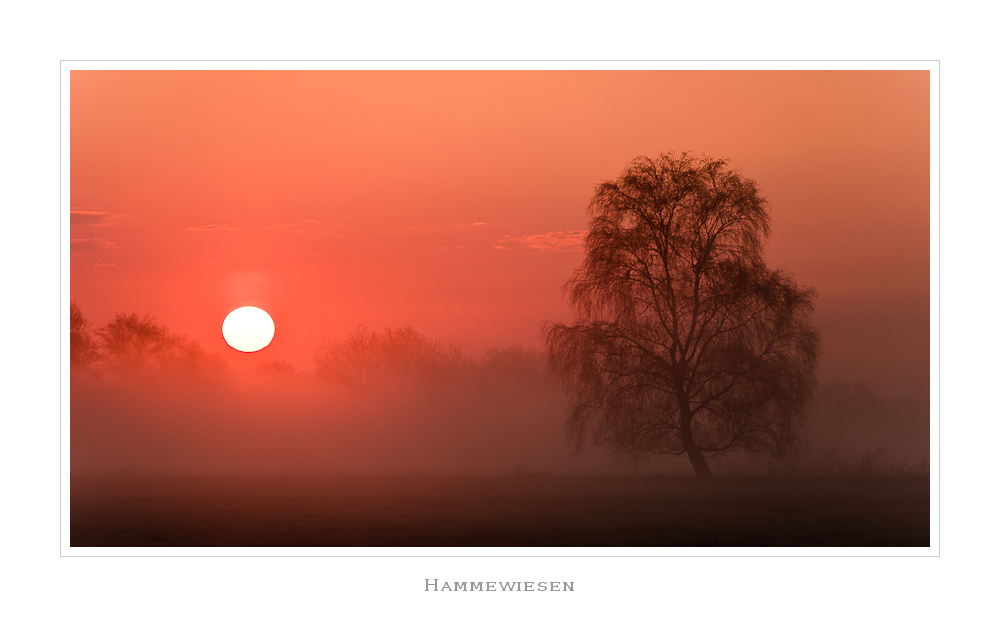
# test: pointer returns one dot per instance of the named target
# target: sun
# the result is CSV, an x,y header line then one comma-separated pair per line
x,y
248,329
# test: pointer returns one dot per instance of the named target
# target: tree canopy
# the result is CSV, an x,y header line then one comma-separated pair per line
x,y
365,357
130,345
685,343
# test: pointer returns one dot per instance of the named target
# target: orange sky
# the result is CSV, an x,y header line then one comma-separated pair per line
x,y
453,201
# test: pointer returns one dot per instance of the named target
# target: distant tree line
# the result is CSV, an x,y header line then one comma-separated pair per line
x,y
365,359
128,345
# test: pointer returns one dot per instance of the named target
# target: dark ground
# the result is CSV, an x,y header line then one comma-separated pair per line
x,y
499,511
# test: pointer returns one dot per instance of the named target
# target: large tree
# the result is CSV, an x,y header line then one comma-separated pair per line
x,y
685,343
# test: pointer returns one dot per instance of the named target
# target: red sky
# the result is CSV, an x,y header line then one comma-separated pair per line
x,y
453,201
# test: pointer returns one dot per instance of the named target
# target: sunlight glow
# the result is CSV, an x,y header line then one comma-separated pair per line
x,y
248,329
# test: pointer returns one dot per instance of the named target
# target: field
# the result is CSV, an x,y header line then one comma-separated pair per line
x,y
499,511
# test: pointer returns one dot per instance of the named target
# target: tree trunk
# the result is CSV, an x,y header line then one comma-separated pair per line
x,y
699,463
692,450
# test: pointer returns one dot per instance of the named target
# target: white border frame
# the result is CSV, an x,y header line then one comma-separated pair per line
x,y
807,65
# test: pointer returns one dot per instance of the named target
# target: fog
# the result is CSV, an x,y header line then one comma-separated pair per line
x,y
500,414
473,418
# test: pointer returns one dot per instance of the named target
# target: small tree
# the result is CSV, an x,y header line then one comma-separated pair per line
x,y
367,357
131,344
685,342
82,350
276,369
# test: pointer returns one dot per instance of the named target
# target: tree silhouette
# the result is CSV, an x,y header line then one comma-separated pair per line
x,y
685,342
276,368
368,357
82,350
131,344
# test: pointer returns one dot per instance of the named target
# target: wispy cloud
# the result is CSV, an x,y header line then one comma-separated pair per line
x,y
568,240
92,244
214,227
92,216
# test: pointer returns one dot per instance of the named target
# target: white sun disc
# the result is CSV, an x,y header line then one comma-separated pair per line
x,y
248,329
